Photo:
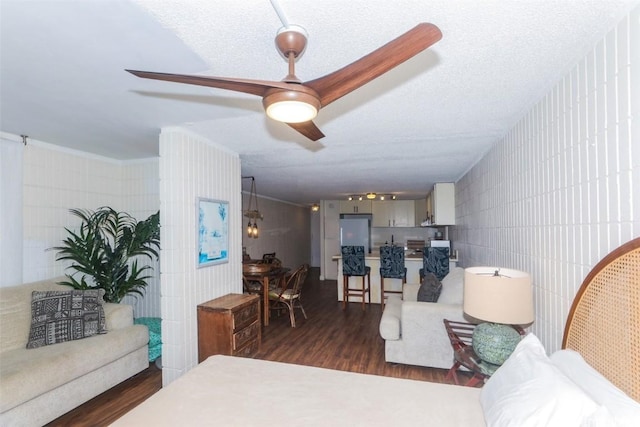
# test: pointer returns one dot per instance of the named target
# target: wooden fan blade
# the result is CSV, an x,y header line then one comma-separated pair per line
x,y
339,83
308,129
254,87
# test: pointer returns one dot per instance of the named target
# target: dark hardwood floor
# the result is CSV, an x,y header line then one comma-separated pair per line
x,y
330,338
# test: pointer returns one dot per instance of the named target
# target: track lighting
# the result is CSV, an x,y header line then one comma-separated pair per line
x,y
371,196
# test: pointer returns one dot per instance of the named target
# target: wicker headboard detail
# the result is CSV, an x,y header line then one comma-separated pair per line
x,y
604,321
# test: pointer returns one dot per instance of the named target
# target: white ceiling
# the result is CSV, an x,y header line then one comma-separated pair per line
x,y
429,120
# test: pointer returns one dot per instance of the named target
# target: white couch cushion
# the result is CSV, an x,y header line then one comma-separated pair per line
x,y
27,373
15,311
390,321
452,287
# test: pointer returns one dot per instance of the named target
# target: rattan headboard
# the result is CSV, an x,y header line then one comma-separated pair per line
x,y
604,321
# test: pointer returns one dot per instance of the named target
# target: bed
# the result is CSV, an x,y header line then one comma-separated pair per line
x,y
594,380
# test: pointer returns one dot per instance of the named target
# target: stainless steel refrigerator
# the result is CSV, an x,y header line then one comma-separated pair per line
x,y
355,230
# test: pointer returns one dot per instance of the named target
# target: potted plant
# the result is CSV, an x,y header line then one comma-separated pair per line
x,y
105,249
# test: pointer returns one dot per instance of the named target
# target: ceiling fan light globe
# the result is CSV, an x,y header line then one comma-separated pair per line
x,y
291,106
292,111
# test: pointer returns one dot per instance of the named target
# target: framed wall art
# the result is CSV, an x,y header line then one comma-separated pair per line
x,y
213,232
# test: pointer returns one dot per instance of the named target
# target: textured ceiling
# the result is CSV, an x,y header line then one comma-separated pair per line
x,y
429,120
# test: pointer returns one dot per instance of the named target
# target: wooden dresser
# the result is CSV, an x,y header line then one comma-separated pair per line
x,y
229,325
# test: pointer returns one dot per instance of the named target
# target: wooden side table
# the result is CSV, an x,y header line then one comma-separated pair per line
x,y
460,334
229,325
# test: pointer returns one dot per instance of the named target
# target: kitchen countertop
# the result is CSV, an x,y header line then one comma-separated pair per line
x,y
409,255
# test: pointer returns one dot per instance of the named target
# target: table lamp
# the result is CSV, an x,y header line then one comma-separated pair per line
x,y
501,297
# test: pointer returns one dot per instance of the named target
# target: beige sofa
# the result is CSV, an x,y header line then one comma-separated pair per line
x,y
413,331
38,385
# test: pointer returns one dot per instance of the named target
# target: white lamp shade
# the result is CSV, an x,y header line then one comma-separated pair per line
x,y
506,298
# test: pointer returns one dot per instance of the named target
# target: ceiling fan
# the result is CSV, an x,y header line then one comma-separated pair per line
x,y
296,103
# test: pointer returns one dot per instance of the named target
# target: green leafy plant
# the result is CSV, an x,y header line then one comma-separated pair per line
x,y
105,248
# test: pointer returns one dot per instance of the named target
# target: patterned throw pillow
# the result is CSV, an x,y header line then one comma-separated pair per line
x,y
429,289
59,316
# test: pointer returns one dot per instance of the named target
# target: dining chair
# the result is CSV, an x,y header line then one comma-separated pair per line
x,y
391,267
290,294
353,264
251,286
270,258
436,261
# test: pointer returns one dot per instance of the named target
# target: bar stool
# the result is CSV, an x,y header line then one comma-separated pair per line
x,y
391,267
436,261
353,265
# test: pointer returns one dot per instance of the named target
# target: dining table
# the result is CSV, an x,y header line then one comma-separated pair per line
x,y
265,273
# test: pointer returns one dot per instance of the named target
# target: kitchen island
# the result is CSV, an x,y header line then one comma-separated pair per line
x,y
412,260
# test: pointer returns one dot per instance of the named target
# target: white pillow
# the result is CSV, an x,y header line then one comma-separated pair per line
x,y
601,418
528,390
452,287
622,408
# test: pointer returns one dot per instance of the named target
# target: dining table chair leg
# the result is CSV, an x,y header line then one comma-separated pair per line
x,y
292,316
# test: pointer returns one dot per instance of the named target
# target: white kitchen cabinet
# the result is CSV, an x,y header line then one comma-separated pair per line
x,y
441,203
420,211
381,213
404,213
355,206
393,213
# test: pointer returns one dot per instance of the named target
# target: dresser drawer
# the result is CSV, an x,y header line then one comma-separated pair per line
x,y
248,350
245,335
245,316
229,325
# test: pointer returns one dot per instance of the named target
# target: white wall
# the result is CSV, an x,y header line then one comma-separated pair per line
x,y
315,239
284,230
330,238
562,189
11,155
54,180
141,198
192,167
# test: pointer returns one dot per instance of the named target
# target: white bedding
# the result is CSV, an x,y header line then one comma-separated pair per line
x,y
232,391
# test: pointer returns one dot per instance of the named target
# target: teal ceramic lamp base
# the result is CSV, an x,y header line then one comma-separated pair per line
x,y
494,342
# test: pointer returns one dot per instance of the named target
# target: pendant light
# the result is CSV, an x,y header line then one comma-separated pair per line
x,y
252,214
